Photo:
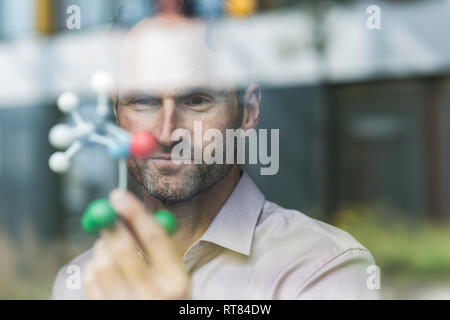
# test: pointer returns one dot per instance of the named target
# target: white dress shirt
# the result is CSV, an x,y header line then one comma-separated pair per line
x,y
255,249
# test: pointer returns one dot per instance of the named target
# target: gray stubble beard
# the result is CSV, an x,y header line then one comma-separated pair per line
x,y
161,186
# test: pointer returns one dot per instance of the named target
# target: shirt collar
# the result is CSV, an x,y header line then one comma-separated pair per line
x,y
234,225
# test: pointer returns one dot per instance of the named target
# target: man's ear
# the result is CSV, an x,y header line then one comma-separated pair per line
x,y
115,108
252,99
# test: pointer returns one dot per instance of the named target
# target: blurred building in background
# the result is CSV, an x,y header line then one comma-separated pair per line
x,y
362,113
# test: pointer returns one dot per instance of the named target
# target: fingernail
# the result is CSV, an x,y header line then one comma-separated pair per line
x,y
119,200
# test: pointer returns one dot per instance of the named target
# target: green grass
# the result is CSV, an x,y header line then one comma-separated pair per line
x,y
28,268
401,247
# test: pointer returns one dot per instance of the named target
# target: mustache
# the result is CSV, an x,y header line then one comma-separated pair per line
x,y
165,152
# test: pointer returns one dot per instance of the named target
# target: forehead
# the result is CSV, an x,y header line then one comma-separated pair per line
x,y
161,56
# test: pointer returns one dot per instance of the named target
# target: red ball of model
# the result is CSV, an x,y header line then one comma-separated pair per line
x,y
143,143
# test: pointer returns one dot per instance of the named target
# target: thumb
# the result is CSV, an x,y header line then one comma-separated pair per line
x,y
151,236
126,204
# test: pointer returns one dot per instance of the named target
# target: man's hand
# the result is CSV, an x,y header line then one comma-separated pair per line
x,y
118,271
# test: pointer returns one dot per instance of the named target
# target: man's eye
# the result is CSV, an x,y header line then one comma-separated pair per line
x,y
146,102
196,101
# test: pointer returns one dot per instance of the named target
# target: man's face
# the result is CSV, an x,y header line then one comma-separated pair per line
x,y
168,81
162,114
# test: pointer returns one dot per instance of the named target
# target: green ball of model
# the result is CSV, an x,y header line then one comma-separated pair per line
x,y
99,215
166,220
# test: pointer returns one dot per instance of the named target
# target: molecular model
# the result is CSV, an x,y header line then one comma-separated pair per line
x,y
119,143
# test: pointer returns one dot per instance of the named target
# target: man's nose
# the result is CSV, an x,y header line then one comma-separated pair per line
x,y
166,122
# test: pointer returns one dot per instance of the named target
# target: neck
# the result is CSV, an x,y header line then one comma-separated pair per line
x,y
195,215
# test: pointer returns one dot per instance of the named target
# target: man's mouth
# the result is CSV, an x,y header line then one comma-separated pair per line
x,y
166,161
167,157
161,157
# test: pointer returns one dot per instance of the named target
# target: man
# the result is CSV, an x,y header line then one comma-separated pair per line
x,y
231,242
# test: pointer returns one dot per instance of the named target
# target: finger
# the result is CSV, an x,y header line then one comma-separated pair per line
x,y
121,245
91,288
89,285
107,277
156,243
143,281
